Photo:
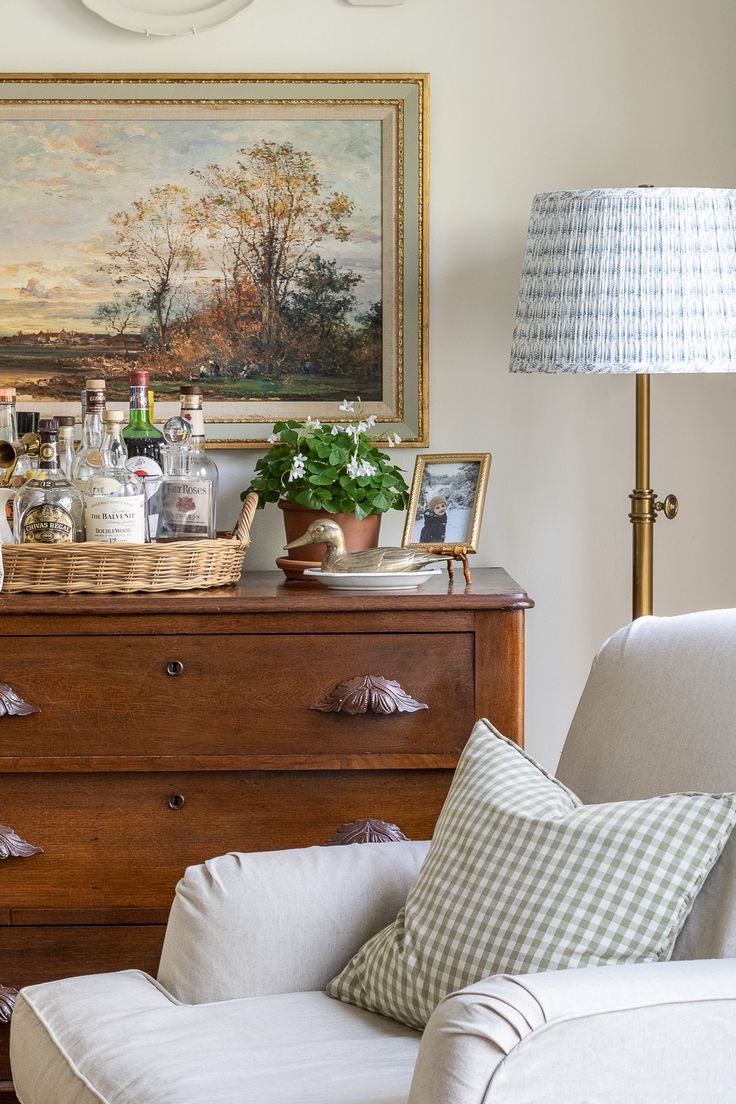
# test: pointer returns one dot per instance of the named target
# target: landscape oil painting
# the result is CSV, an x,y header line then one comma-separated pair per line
x,y
250,244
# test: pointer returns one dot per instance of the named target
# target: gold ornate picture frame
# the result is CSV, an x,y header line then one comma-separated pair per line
x,y
445,509
262,235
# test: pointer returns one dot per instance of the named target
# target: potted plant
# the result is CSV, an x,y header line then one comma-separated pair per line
x,y
316,470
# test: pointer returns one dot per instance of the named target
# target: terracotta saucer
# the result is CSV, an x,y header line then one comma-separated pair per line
x,y
294,569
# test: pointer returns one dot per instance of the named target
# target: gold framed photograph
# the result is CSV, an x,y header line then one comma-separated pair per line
x,y
446,503
264,236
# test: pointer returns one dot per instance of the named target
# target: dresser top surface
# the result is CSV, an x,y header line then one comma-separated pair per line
x,y
269,592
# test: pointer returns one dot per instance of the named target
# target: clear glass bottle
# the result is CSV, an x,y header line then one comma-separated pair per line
x,y
115,502
48,509
27,464
66,442
188,496
89,457
8,423
113,445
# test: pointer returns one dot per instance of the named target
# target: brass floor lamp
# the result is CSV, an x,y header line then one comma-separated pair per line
x,y
630,280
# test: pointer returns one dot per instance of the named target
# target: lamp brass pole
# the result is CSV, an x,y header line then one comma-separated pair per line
x,y
644,508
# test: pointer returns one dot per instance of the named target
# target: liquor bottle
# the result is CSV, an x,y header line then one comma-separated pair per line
x,y
115,502
66,442
27,463
143,442
141,437
113,445
186,505
201,475
48,509
89,457
8,423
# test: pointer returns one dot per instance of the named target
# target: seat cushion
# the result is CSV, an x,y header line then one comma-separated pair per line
x,y
121,1039
521,877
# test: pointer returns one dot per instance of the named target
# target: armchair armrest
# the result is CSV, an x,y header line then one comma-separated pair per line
x,y
646,1034
246,925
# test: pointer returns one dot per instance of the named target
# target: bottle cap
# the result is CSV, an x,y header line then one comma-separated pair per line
x,y
48,426
113,416
7,394
27,422
190,389
95,384
138,378
66,420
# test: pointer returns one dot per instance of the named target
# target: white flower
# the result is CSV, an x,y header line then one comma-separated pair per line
x,y
358,467
313,423
346,407
273,438
352,431
393,439
335,430
297,468
370,421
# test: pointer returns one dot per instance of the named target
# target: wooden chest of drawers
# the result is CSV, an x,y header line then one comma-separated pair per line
x,y
175,727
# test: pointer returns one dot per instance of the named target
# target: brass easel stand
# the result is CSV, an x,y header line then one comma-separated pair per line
x,y
452,552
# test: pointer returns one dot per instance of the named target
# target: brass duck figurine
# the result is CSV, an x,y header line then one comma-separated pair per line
x,y
376,560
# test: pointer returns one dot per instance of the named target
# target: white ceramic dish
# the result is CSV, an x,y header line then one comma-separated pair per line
x,y
166,17
397,582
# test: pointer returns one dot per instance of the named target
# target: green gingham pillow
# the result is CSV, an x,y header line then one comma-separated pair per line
x,y
522,877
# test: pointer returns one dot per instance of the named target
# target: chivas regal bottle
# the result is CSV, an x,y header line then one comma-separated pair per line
x,y
48,509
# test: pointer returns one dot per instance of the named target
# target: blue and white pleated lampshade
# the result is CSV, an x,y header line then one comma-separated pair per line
x,y
629,280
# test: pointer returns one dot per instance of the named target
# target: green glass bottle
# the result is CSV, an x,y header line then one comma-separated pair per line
x,y
142,440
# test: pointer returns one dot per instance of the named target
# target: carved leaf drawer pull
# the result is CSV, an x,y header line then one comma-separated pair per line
x,y
7,1002
13,847
11,705
366,831
368,694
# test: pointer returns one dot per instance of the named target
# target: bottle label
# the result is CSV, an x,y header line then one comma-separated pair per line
x,y
95,402
143,466
195,418
115,520
46,523
185,507
138,397
47,454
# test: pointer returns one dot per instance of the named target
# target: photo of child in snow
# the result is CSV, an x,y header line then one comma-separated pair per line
x,y
445,509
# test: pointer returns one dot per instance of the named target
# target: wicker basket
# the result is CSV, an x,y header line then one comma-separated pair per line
x,y
116,568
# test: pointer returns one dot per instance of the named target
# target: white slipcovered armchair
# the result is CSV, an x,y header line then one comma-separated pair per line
x,y
238,1016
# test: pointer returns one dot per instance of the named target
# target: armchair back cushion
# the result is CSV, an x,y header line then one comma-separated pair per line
x,y
658,715
246,925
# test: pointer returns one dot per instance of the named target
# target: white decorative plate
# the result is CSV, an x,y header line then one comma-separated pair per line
x,y
166,17
396,581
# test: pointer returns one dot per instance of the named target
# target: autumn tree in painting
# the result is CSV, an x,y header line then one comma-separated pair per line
x,y
318,310
121,316
235,273
154,248
267,213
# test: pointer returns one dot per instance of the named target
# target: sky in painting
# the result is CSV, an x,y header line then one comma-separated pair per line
x,y
63,179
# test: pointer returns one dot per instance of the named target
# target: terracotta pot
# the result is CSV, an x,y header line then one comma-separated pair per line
x,y
359,535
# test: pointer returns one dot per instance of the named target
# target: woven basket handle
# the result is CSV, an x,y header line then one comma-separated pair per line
x,y
242,526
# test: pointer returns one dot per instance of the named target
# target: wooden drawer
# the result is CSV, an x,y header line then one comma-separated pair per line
x,y
234,695
30,955
113,840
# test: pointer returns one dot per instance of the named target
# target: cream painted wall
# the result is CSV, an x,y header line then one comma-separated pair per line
x,y
526,96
